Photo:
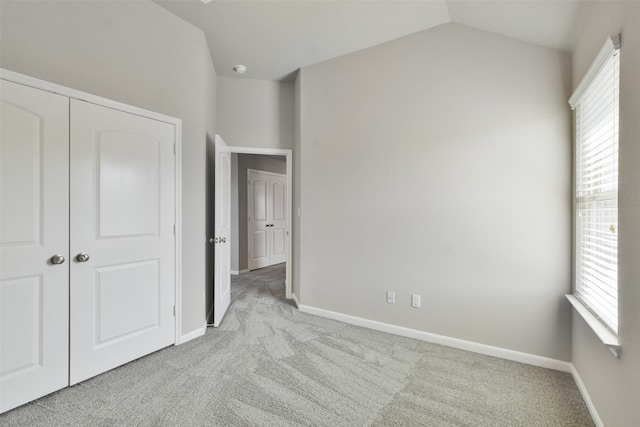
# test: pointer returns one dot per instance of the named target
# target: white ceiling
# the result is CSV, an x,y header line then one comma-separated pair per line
x,y
275,38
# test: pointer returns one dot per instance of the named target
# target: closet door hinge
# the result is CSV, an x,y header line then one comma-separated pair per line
x,y
174,148
174,311
174,229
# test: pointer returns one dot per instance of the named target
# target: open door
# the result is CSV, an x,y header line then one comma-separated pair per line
x,y
222,226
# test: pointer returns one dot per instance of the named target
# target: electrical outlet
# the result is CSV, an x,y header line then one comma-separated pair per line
x,y
415,300
391,297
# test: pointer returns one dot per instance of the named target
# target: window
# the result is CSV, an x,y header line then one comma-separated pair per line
x,y
596,105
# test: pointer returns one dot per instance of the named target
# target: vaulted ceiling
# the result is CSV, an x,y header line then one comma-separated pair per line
x,y
275,38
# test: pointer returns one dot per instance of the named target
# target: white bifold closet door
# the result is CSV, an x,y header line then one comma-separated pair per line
x,y
34,227
267,219
87,240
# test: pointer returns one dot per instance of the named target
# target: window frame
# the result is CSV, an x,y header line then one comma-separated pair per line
x,y
606,331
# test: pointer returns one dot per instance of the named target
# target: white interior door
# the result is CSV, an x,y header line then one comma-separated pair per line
x,y
267,221
278,214
222,225
258,219
34,226
122,217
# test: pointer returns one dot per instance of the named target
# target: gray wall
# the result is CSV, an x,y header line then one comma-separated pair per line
x,y
139,54
612,384
255,113
439,164
275,164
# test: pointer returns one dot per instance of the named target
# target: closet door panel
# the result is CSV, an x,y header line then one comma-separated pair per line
x,y
122,218
128,176
34,226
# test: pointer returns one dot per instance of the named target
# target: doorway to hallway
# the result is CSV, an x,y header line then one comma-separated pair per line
x,y
239,243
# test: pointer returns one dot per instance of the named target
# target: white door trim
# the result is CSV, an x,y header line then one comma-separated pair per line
x,y
177,123
288,154
266,172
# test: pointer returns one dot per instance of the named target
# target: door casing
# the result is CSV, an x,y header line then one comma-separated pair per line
x,y
288,154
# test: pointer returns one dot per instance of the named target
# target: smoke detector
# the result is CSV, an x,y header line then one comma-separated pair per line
x,y
240,69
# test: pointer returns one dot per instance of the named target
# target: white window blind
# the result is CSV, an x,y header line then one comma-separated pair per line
x,y
596,104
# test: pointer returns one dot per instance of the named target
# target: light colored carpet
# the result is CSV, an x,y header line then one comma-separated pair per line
x,y
268,364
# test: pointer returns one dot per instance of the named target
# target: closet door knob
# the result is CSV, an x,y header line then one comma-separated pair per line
x,y
57,259
82,257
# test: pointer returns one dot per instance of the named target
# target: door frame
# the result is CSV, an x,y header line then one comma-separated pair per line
x,y
177,123
288,154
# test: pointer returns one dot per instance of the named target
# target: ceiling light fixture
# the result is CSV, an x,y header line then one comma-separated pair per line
x,y
240,69
206,1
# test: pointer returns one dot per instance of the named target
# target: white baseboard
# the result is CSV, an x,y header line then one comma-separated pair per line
x,y
503,353
192,335
294,297
585,395
237,273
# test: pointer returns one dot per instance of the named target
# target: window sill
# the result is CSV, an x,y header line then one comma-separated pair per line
x,y
607,337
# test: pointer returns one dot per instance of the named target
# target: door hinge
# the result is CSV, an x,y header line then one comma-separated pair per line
x,y
174,148
249,183
174,229
174,311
